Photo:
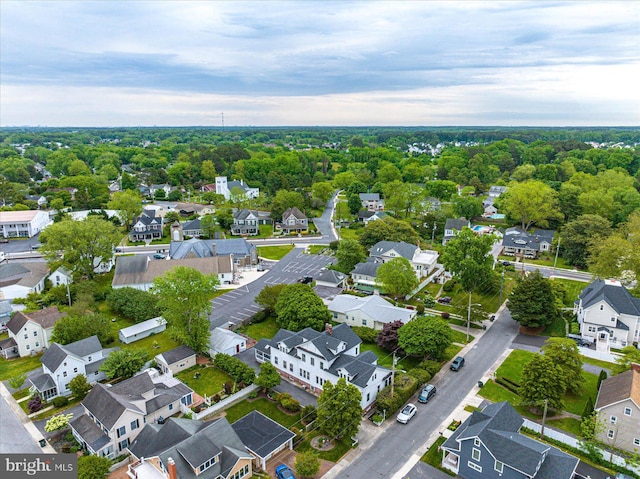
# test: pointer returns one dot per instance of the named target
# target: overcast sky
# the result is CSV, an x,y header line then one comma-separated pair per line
x,y
420,63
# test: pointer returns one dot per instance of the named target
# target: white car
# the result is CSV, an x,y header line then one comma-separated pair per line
x,y
407,413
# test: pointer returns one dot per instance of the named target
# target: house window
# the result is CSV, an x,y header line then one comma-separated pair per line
x,y
27,346
89,359
135,425
592,329
368,394
304,357
37,344
636,441
476,442
64,374
121,431
364,322
321,365
35,333
26,336
170,407
613,419
75,370
284,364
473,466
602,307
312,361
499,466
275,359
627,411
475,454
123,444
611,433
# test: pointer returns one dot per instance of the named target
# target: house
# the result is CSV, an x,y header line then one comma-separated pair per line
x,y
521,243
310,358
331,278
294,221
139,271
189,209
114,186
153,189
41,200
371,201
186,449
242,252
23,224
18,280
227,342
176,359
364,275
364,215
115,414
370,312
489,445
452,227
192,228
146,227
247,222
235,190
618,408
142,330
263,437
608,314
488,203
60,364
423,262
208,188
61,276
31,332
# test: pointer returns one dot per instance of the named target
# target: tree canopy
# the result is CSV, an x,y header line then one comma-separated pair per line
x,y
396,277
268,296
349,253
339,410
532,301
299,307
425,336
564,353
542,379
388,229
531,202
74,327
124,363
468,258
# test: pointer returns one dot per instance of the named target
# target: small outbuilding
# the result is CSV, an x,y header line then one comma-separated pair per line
x,y
142,330
176,359
227,342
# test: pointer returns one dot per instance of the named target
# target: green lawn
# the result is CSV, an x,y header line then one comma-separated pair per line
x,y
490,301
597,362
496,393
274,252
316,248
385,358
266,407
10,368
573,290
460,337
451,352
340,448
347,233
220,292
557,328
210,381
568,424
511,368
266,329
433,456
56,410
264,231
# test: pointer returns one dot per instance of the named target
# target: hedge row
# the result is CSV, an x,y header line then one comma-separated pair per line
x,y
235,368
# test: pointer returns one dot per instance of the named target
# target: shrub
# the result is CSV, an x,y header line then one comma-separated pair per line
x,y
429,301
287,402
404,387
260,316
368,335
35,403
333,246
432,367
421,375
228,387
575,328
59,401
309,413
134,304
235,368
216,398
449,285
376,418
445,315
420,309
253,394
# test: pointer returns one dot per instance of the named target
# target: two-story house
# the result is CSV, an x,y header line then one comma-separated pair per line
x,y
60,364
31,332
240,250
618,408
311,358
245,222
146,227
235,190
489,445
371,201
185,449
370,311
516,242
452,228
489,202
423,262
608,314
23,224
166,188
294,221
115,414
364,275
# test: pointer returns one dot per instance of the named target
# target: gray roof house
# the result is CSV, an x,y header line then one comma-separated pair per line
x,y
247,222
489,445
192,228
115,414
262,436
176,359
310,358
294,221
184,449
329,283
608,314
371,201
60,364
364,275
516,242
423,262
370,312
18,280
30,333
452,227
227,342
242,252
146,227
142,330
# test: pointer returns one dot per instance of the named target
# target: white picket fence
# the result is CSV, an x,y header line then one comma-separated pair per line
x,y
226,402
573,442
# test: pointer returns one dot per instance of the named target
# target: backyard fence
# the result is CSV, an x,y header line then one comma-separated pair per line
x,y
226,402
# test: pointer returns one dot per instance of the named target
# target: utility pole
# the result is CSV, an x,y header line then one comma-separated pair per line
x,y
544,417
393,372
469,316
68,292
557,251
433,233
501,285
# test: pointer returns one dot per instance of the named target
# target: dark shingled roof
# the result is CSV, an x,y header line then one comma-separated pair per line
x,y
453,224
177,354
90,432
516,238
406,250
368,268
42,382
614,294
260,434
45,317
197,248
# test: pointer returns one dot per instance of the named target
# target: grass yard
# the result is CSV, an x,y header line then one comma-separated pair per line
x,y
265,231
73,401
340,448
23,393
316,248
433,456
573,290
511,368
547,259
490,301
385,358
266,329
266,407
597,362
460,337
557,328
568,424
210,382
496,393
10,368
347,233
451,352
274,252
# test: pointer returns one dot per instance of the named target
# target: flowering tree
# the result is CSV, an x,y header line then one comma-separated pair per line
x,y
57,422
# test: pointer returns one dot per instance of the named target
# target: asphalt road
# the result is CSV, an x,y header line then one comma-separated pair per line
x,y
324,223
393,449
237,306
14,438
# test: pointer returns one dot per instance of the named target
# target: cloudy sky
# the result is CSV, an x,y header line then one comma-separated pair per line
x,y
414,63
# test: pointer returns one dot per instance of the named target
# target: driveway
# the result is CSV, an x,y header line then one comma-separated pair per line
x,y
324,224
77,411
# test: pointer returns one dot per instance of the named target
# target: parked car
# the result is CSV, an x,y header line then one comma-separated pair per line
x,y
580,341
457,363
427,393
4,240
305,280
36,246
159,256
505,263
283,472
407,413
444,300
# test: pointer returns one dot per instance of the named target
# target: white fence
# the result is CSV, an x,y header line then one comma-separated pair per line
x,y
226,402
573,442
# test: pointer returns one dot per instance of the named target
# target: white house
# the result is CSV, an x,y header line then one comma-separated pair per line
x,y
227,342
115,414
364,275
310,358
61,276
23,224
370,311
372,201
60,364
176,359
31,332
294,221
142,330
423,262
517,242
21,279
608,314
225,188
452,227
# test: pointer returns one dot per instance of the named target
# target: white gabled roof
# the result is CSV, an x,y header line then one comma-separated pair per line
x,y
373,306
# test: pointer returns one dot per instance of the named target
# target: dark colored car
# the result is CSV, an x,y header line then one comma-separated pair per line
x,y
505,263
283,472
444,299
159,256
457,363
427,393
305,280
36,246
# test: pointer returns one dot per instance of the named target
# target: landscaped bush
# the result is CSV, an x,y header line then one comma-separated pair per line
x,y
368,335
235,368
421,375
449,285
59,401
35,403
309,414
290,404
429,301
404,387
228,387
575,327
432,367
420,308
260,316
445,315
507,385
133,304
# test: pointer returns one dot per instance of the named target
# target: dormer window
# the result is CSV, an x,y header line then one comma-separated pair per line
x,y
208,464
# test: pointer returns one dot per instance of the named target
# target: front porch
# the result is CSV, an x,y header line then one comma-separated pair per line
x,y
450,461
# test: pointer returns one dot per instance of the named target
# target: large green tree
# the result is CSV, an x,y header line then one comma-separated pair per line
x,y
73,327
184,295
81,246
396,277
542,380
307,464
532,301
128,204
124,363
630,355
285,199
339,410
93,467
467,206
268,296
531,202
269,377
578,235
299,307
388,229
468,258
322,191
349,253
425,336
564,353
441,189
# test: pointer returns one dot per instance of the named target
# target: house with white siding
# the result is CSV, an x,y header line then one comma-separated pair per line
x,y
23,224
30,333
370,311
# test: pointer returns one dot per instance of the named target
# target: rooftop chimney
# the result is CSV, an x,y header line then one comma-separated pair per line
x,y
171,468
